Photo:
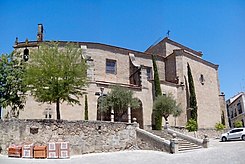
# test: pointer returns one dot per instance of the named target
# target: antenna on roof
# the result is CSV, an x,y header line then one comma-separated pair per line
x,y
168,33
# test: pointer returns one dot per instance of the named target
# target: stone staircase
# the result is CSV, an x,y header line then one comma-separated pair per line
x,y
184,145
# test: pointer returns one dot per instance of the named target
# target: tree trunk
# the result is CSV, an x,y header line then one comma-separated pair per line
x,y
58,108
158,120
175,122
119,116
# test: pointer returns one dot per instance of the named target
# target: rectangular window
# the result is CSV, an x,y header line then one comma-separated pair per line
x,y
111,66
48,116
239,108
48,113
149,73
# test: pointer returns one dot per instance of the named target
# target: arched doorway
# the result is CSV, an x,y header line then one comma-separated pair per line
x,y
138,114
102,115
105,115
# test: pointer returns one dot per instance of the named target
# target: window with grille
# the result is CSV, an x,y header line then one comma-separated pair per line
x,y
111,66
149,73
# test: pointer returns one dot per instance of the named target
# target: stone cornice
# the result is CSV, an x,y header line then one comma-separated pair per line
x,y
196,58
90,45
108,83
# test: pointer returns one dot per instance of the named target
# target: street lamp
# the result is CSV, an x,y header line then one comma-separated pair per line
x,y
100,94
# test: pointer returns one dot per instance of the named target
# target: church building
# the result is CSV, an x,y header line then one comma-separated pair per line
x,y
110,65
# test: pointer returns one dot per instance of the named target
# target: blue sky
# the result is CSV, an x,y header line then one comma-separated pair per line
x,y
217,28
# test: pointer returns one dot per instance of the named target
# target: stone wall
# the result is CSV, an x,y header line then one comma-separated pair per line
x,y
211,133
83,136
150,141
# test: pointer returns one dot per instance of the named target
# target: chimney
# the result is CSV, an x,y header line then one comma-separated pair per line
x,y
40,33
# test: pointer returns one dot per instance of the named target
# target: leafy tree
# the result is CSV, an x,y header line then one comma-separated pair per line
x,y
12,88
166,105
193,101
56,74
156,116
86,108
238,124
177,112
119,99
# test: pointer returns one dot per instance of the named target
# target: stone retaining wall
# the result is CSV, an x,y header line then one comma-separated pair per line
x,y
83,136
149,141
211,133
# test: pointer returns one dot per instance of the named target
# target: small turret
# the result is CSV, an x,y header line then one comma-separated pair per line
x,y
40,33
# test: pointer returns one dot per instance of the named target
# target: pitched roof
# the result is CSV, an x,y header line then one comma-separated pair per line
x,y
167,40
94,45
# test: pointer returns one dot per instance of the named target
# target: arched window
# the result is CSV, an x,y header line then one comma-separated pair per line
x,y
26,55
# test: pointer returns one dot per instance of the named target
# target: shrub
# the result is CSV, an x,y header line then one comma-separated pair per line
x,y
238,124
191,125
219,126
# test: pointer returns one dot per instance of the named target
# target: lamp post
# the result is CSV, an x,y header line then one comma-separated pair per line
x,y
101,96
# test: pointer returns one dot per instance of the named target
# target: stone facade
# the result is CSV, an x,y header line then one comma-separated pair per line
x,y
172,59
83,136
236,109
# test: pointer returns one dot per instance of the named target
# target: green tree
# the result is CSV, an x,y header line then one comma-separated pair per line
x,y
176,113
193,101
238,124
86,108
56,75
166,105
119,99
156,116
157,86
12,88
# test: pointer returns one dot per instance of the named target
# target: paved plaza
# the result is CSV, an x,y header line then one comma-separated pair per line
x,y
218,153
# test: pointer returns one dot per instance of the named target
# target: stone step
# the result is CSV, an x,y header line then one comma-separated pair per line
x,y
188,148
184,145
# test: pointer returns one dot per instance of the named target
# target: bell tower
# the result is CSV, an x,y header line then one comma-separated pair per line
x,y
40,33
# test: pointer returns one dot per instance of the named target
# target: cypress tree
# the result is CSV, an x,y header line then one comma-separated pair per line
x,y
223,118
193,101
156,115
86,108
157,86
